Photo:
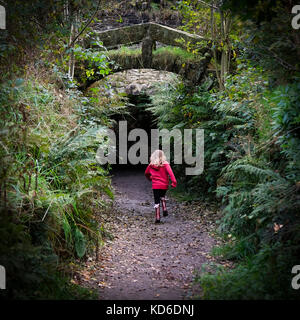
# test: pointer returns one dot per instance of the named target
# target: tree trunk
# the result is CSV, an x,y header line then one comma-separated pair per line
x,y
214,47
73,20
224,42
72,57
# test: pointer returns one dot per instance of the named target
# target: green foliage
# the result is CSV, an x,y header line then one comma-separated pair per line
x,y
252,166
162,55
224,116
183,55
267,37
286,119
51,185
53,190
260,192
264,276
196,17
94,63
80,243
31,269
124,52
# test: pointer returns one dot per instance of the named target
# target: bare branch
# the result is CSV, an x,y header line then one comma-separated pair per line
x,y
208,4
285,64
84,28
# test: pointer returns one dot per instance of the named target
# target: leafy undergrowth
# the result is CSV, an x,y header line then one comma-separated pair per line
x,y
176,53
251,167
52,188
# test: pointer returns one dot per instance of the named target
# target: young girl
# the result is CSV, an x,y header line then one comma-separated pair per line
x,y
158,171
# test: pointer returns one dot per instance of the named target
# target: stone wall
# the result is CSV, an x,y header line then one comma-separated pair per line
x,y
136,33
148,34
193,70
136,81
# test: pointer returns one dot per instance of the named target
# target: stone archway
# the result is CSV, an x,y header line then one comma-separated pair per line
x,y
138,81
135,87
148,34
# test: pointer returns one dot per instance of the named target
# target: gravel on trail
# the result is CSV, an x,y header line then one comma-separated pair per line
x,y
148,261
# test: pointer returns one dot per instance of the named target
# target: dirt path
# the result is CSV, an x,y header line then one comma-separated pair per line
x,y
145,260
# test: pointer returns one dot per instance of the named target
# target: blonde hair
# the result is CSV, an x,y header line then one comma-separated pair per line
x,y
158,158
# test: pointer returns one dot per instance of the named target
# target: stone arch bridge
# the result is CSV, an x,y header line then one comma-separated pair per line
x,y
148,34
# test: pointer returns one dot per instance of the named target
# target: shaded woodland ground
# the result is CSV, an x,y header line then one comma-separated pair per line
x,y
145,261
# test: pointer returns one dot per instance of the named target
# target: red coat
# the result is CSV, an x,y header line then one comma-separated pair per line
x,y
160,176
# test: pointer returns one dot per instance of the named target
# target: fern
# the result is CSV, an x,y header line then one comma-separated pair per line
x,y
257,170
80,243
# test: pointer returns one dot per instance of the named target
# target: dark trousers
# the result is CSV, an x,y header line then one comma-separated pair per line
x,y
158,193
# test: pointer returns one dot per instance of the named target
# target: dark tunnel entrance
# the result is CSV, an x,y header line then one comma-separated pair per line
x,y
137,118
138,86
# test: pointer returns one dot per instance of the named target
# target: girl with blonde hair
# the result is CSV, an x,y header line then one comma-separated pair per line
x,y
159,171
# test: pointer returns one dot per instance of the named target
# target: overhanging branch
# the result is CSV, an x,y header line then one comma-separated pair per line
x,y
84,28
208,4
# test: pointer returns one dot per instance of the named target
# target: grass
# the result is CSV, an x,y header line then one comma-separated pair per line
x,y
125,51
61,288
181,195
162,52
177,52
49,215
